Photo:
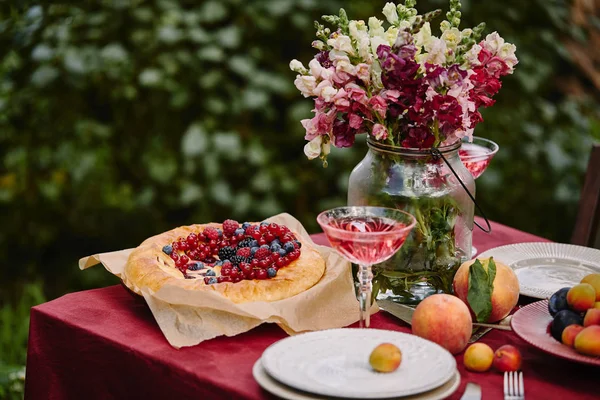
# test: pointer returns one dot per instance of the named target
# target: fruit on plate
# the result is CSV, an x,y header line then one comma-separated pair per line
x,y
569,334
592,317
594,280
386,357
242,262
445,320
581,297
489,287
561,320
558,301
597,304
507,358
478,357
588,341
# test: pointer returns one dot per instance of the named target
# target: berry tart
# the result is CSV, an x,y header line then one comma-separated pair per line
x,y
243,262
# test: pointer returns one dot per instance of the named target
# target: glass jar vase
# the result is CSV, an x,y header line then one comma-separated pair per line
x,y
420,182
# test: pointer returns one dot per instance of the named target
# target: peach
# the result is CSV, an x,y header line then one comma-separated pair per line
x,y
592,317
445,320
385,358
506,288
588,341
569,334
478,357
507,358
594,280
581,297
597,304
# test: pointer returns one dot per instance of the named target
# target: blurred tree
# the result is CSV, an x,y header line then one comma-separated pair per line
x,y
124,118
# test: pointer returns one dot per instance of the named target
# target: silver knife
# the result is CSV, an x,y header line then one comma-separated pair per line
x,y
472,392
405,313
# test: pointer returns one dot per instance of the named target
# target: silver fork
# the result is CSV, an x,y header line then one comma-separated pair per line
x,y
513,386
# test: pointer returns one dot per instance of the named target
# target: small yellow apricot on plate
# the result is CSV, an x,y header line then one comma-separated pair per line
x,y
385,358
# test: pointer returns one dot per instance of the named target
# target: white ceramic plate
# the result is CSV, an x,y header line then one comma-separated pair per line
x,y
285,392
543,268
335,363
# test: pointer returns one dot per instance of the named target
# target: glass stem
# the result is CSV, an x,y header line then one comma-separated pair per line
x,y
365,279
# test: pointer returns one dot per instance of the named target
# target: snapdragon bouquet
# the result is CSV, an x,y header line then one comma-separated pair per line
x,y
405,88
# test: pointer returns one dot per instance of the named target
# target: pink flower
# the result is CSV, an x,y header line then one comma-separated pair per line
x,y
320,124
484,55
357,94
363,72
496,67
419,137
341,101
355,121
343,134
341,78
379,105
380,132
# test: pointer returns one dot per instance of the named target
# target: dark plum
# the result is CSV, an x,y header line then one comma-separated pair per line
x,y
558,301
562,319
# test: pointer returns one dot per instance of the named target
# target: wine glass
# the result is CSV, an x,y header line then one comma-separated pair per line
x,y
476,155
365,236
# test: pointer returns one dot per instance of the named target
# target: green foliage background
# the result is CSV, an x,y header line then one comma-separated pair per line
x,y
120,119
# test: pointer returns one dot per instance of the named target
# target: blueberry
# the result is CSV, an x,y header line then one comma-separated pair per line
x,y
210,272
298,243
265,246
246,225
212,280
275,247
271,272
264,223
282,252
254,243
253,250
168,249
218,263
239,231
220,232
195,266
289,247
275,241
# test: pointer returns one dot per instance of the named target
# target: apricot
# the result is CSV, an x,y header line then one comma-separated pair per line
x,y
581,297
507,358
445,320
569,334
478,357
506,287
385,358
597,304
592,317
588,341
594,280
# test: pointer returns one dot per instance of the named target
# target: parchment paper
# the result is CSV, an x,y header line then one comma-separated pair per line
x,y
187,317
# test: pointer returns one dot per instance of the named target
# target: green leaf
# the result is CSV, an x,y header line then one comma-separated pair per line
x,y
480,289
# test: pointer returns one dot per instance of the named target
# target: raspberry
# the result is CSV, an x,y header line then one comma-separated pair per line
x,y
229,227
225,253
244,252
262,253
211,233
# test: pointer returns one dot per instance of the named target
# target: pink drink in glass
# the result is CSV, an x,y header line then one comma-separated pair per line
x,y
365,236
477,155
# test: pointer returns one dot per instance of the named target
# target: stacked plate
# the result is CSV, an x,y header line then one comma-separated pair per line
x,y
335,363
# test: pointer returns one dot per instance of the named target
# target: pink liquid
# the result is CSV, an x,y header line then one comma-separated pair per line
x,y
475,158
367,240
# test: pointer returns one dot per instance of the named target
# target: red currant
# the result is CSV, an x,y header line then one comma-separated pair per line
x,y
275,256
264,263
194,254
212,244
251,275
174,256
262,241
294,255
183,245
254,262
192,239
175,246
180,263
263,229
269,237
261,274
225,271
281,262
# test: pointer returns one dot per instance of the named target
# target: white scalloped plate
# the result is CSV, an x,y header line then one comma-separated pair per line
x,y
285,392
335,363
544,268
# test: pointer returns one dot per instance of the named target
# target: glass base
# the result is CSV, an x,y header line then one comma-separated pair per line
x,y
473,251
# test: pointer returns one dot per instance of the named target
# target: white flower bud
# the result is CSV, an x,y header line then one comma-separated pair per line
x,y
389,10
297,66
312,149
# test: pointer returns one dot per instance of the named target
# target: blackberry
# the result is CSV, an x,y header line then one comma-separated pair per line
x,y
236,260
245,243
225,253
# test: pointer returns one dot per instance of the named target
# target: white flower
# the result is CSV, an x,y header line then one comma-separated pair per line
x,y
297,66
466,33
325,90
364,49
452,37
363,72
423,37
375,28
306,84
345,66
357,29
472,56
342,43
312,149
325,148
436,52
389,10
445,25
507,53
391,34
493,42
317,70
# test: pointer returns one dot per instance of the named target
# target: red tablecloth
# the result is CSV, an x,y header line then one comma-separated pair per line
x,y
105,344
